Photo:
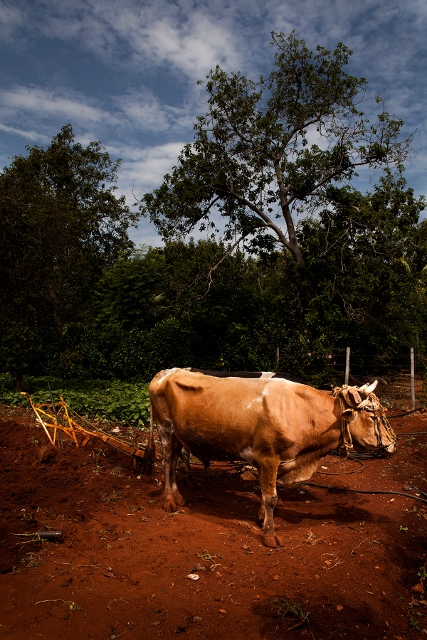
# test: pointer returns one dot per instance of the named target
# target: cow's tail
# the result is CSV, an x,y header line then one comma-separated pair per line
x,y
150,449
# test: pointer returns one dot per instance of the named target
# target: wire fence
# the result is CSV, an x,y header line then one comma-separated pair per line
x,y
353,364
370,364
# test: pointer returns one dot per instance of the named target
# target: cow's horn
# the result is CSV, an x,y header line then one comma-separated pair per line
x,y
372,387
368,389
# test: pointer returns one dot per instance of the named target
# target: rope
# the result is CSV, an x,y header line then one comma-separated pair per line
x,y
344,473
417,433
371,491
401,415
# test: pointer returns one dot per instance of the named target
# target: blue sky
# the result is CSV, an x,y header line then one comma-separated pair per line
x,y
125,72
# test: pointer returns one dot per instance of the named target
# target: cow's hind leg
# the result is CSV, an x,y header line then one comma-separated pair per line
x,y
171,449
267,479
176,451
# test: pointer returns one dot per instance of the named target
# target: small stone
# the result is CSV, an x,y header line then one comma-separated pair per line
x,y
418,588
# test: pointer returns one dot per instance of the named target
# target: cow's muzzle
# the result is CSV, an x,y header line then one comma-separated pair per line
x,y
384,450
387,451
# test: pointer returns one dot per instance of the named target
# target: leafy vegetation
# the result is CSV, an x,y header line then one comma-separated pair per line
x,y
107,400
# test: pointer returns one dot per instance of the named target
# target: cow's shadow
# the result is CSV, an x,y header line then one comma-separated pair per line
x,y
223,496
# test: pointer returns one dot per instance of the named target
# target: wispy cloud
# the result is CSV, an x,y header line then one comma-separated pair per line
x,y
11,18
47,103
187,38
148,113
192,46
140,172
33,136
142,169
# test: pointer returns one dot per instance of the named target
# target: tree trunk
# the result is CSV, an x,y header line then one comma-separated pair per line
x,y
17,380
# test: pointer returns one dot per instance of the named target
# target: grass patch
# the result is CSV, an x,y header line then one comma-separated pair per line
x,y
290,612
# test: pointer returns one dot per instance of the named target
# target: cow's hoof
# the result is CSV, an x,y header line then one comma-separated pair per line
x,y
179,501
169,506
272,540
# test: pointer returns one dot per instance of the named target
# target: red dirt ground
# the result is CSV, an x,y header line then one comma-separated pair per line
x,y
351,561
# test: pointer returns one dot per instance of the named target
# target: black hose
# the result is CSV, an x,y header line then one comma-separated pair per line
x,y
396,493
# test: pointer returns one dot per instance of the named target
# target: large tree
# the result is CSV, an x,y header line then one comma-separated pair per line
x,y
268,151
61,225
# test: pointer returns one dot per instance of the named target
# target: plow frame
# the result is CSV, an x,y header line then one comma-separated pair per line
x,y
55,419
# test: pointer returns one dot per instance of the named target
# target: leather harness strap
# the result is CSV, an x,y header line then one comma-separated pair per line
x,y
347,441
350,397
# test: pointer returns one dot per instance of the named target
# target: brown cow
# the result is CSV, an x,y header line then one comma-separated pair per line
x,y
282,428
185,453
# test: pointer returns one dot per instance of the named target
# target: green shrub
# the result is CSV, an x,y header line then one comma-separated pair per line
x,y
114,400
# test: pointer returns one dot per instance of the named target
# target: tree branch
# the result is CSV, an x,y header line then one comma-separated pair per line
x,y
268,222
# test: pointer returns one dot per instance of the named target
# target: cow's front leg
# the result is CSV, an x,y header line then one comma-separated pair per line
x,y
267,480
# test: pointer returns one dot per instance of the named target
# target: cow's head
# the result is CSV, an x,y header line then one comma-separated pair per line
x,y
363,422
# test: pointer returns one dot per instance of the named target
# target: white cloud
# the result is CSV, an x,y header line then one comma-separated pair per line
x,y
34,136
11,18
148,113
192,47
142,170
186,38
45,102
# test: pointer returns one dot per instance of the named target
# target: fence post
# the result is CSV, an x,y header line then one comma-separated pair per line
x,y
412,379
347,365
277,358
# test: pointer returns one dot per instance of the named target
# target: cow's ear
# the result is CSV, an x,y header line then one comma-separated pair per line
x,y
349,415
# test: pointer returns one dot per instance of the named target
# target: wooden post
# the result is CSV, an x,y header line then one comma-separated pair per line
x,y
277,358
347,365
412,378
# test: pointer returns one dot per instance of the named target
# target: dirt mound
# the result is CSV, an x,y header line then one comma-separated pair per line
x,y
351,565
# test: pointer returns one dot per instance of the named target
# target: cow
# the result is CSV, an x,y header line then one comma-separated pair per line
x,y
281,427
185,453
